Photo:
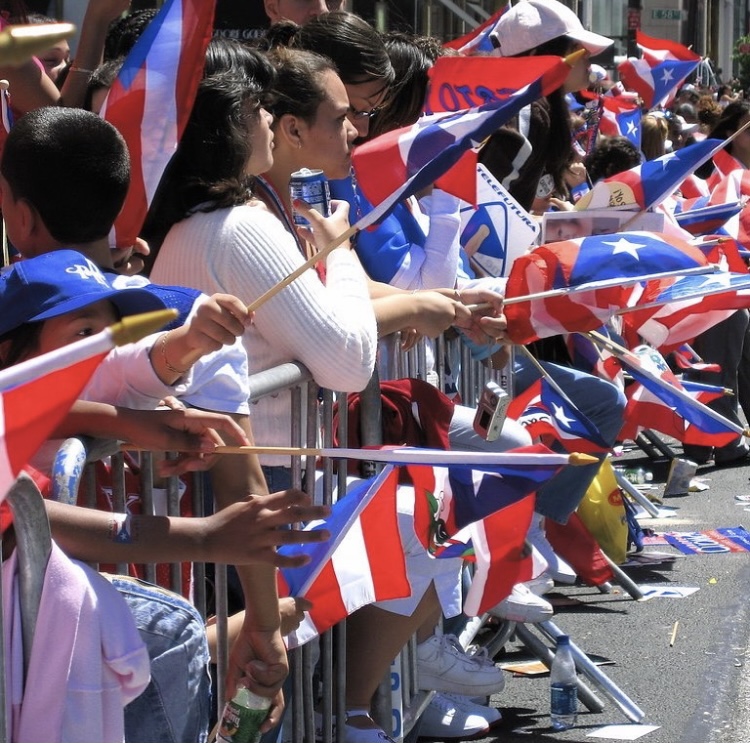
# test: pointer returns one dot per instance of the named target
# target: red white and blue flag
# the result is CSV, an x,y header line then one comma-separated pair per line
x,y
660,401
596,276
477,41
620,117
544,412
501,558
449,499
659,73
395,165
687,306
151,99
361,563
646,185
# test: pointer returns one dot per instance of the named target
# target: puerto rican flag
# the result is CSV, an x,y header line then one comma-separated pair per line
x,y
663,412
595,277
646,185
361,563
501,558
660,401
36,395
449,499
543,412
688,306
395,165
687,359
659,73
477,41
151,99
620,117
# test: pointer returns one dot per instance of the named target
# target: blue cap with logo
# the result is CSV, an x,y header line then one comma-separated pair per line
x,y
59,282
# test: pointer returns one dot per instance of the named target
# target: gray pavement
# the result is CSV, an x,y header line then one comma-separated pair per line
x,y
697,691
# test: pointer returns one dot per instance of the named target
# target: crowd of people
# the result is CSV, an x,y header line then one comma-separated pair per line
x,y
222,231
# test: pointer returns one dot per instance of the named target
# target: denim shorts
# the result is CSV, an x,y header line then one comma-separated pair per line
x,y
174,708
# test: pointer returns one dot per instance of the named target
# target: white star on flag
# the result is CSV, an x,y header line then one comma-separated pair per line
x,y
559,415
667,76
624,245
632,128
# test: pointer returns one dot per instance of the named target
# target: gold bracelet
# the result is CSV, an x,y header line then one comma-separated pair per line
x,y
82,70
163,345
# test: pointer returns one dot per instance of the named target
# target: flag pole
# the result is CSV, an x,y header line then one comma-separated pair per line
x,y
604,284
409,455
626,354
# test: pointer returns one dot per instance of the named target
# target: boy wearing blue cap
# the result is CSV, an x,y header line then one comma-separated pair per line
x,y
41,218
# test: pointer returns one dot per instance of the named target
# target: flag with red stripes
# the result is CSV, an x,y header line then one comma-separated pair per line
x,y
151,99
361,563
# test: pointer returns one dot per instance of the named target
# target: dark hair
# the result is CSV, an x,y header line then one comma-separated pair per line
x,y
611,155
560,147
298,89
123,32
729,121
102,78
22,341
208,167
411,65
355,47
72,167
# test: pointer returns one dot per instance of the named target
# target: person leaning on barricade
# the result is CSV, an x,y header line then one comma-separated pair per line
x,y
248,245
40,220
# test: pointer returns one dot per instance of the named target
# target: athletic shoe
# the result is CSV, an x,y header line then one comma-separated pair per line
x,y
443,665
523,606
450,716
540,585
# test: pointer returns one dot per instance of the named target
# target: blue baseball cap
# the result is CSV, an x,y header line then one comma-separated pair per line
x,y
59,282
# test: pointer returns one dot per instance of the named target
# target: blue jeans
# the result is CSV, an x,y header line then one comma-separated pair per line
x,y
602,403
174,708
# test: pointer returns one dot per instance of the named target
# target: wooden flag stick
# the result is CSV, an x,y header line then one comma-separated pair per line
x,y
604,284
309,263
469,458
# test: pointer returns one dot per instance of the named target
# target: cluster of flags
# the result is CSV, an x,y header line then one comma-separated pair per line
x,y
664,288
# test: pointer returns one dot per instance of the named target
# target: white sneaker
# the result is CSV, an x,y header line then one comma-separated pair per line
x,y
454,716
557,568
443,665
523,606
540,585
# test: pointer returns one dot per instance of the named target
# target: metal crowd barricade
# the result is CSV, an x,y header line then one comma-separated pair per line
x,y
312,417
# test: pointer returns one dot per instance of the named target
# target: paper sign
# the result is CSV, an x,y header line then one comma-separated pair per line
x,y
667,592
558,226
499,230
623,732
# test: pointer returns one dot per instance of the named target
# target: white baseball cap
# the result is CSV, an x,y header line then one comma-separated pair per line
x,y
531,23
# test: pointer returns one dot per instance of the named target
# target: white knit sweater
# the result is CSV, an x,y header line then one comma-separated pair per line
x,y
330,328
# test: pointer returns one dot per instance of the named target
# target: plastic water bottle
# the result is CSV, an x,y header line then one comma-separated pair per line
x,y
243,715
637,476
563,689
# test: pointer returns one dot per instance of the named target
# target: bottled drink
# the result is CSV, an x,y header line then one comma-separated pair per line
x,y
638,476
563,689
242,717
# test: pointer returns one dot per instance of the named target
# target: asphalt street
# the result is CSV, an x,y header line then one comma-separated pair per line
x,y
696,690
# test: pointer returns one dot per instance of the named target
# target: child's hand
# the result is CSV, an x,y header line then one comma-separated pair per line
x,y
216,323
